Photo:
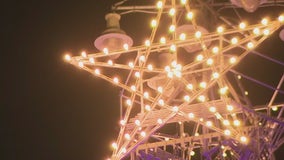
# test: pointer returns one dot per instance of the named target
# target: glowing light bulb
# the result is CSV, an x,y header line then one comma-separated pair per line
x,y
233,60
142,58
224,154
97,72
212,109
266,32
192,153
230,108
147,43
175,109
173,48
154,23
199,57
243,139
81,64
150,67
209,61
92,60
236,122
234,40
246,93
186,98
227,132
215,50
137,74
183,2
202,85
163,40
189,86
250,45
160,121
105,51
223,90
131,64
133,88
281,18
137,122
226,122
159,4
198,34
84,54
182,36
215,75
143,134
172,28
109,62
274,108
264,21
123,150
172,12
67,57
146,95
201,98
114,145
160,89
122,122
209,124
147,107
125,46
220,29
189,15
256,31
127,136
115,80
190,115
161,102
128,102
242,25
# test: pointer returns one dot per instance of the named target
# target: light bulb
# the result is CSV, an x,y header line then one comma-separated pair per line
x,y
256,31
215,50
115,80
233,60
281,18
250,45
223,90
161,102
147,107
143,134
142,58
163,40
209,123
128,102
160,121
127,136
84,54
137,122
175,109
199,57
159,4
243,139
189,86
215,75
146,95
230,108
227,132
133,88
172,12
209,61
81,64
186,98
234,40
122,122
150,67
220,29
201,98
266,32
67,57
160,89
173,48
114,145
154,23
123,150
212,109
264,21
147,43
182,36
274,108
183,2
189,15
198,34
131,64
202,85
242,25
190,115
226,122
92,60
172,28
125,46
137,74
109,62
192,153
105,50
97,72
237,122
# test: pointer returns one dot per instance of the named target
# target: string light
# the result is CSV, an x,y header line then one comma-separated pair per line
x,y
172,12
84,54
163,40
159,4
264,21
190,115
242,25
198,34
125,46
172,28
182,36
154,23
215,50
92,60
256,31
67,57
234,40
189,15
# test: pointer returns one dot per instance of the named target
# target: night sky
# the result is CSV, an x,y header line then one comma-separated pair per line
x,y
50,110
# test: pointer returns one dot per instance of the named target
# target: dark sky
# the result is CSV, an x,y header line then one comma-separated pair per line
x,y
50,110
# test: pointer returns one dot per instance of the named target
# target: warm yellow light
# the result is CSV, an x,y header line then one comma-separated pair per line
x,y
242,25
67,57
133,88
159,4
189,86
230,108
163,40
154,23
243,139
234,40
226,122
175,108
227,132
250,45
146,95
198,34
137,74
142,58
239,77
209,124
220,29
186,98
215,75
172,28
274,108
97,72
127,136
209,61
202,98
264,21
92,60
212,109
223,90
192,153
199,57
122,122
172,12
183,2
131,64
115,80
143,134
233,60
84,54
246,93
160,89
202,85
105,51
237,122
81,64
189,15
161,102
128,102
224,154
190,115
182,36
114,145
215,50
147,43
150,67
256,31
281,18
109,62
123,150
266,32
173,48
147,107
160,121
125,46
137,122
